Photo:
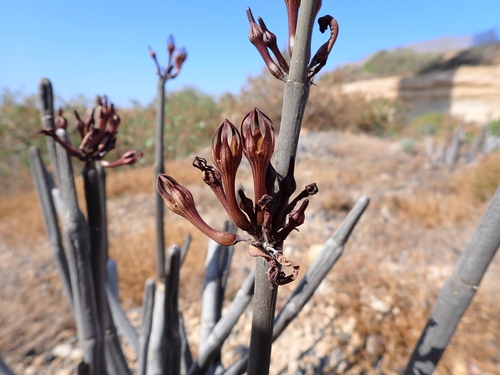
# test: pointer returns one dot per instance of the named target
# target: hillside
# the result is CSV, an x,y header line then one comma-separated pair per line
x,y
465,84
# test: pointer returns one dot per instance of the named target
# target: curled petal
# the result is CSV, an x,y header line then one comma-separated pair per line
x,y
179,200
282,278
319,59
309,190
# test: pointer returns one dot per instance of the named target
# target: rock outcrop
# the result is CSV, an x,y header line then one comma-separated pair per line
x,y
469,92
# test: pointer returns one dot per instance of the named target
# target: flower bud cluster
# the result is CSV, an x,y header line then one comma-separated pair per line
x,y
268,219
265,41
97,134
176,58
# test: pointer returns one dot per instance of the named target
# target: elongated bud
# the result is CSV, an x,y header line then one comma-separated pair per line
x,y
226,148
292,10
257,133
114,122
79,124
271,43
295,219
179,200
256,36
180,57
60,121
128,158
226,155
89,121
170,44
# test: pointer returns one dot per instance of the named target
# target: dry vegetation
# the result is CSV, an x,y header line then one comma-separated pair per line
x,y
373,305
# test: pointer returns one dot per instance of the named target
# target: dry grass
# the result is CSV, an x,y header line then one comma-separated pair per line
x,y
400,253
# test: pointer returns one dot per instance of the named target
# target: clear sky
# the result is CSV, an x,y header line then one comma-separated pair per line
x,y
100,47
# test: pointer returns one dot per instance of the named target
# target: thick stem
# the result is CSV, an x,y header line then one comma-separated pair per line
x,y
77,244
294,102
160,168
332,250
47,117
171,334
95,195
296,90
457,292
44,187
147,319
264,307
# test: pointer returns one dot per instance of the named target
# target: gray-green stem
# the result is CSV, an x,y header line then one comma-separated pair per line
x,y
294,102
47,117
160,168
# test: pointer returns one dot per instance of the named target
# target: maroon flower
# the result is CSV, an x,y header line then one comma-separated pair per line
x,y
96,141
268,224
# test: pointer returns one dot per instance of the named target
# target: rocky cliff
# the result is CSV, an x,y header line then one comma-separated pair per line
x,y
470,92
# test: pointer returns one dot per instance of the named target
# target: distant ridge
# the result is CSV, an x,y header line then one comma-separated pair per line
x,y
452,43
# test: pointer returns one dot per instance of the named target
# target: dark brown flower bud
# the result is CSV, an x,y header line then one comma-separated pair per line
x,y
292,10
212,178
79,124
257,133
295,219
170,44
271,43
89,121
226,155
180,57
114,122
179,200
246,205
60,121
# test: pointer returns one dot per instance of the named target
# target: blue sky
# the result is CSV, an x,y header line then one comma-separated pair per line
x,y
100,47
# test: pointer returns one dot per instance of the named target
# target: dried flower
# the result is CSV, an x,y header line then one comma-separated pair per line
x,y
267,222
178,56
